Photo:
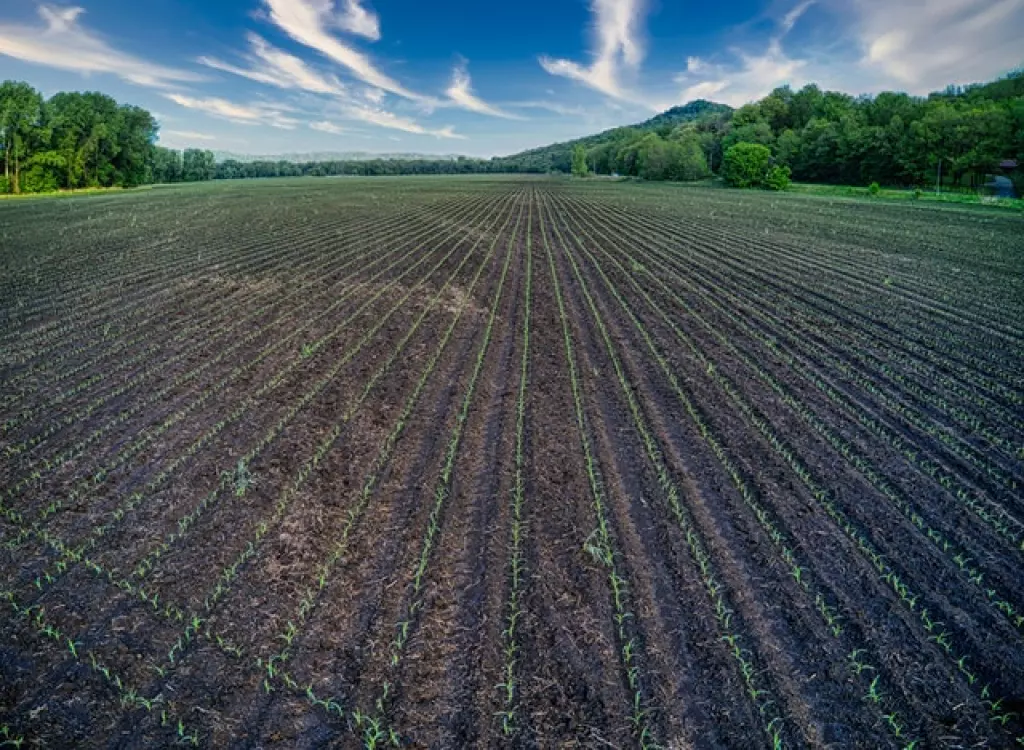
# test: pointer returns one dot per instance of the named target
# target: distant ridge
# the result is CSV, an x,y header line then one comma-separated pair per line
x,y
558,155
302,157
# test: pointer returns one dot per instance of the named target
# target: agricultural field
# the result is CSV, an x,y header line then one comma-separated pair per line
x,y
495,462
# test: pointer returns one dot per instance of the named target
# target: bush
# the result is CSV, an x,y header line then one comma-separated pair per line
x,y
874,189
777,178
745,165
38,179
5,185
43,173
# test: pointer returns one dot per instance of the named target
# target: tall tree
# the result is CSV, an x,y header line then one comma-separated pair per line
x,y
20,113
579,161
198,165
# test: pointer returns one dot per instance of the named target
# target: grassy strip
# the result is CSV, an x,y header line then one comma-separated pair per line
x,y
899,195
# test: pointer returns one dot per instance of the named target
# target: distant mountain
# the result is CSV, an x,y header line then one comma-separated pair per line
x,y
684,113
298,158
557,156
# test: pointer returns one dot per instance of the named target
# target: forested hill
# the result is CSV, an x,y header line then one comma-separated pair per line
x,y
973,132
558,156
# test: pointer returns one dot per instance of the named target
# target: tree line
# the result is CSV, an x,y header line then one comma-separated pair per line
x,y
74,140
820,136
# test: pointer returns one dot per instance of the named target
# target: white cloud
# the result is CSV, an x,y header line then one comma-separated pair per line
x,y
375,96
924,45
61,42
460,91
189,135
278,68
789,20
753,77
327,127
257,113
616,31
558,109
308,21
383,118
358,20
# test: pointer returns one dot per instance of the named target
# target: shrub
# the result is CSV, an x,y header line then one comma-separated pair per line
x,y
746,165
5,185
38,180
874,189
777,178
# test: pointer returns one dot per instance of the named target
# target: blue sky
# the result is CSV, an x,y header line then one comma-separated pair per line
x,y
481,78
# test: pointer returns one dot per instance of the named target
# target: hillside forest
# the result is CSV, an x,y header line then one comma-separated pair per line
x,y
81,140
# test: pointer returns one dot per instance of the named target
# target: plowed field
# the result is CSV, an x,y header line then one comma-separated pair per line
x,y
509,463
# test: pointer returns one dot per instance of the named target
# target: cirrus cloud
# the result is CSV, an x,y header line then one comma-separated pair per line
x,y
460,91
308,23
617,37
62,42
278,68
256,113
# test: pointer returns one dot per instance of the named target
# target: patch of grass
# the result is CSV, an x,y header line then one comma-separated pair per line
x,y
897,194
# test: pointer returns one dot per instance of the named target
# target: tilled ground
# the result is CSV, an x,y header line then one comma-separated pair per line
x,y
509,463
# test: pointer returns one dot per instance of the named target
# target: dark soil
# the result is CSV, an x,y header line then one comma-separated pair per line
x,y
225,423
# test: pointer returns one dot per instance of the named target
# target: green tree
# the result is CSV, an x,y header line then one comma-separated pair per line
x,y
136,132
198,165
20,113
777,178
166,166
579,161
44,172
745,165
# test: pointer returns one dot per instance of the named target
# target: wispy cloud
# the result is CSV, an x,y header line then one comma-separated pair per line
x,y
789,20
617,44
358,20
923,45
189,135
308,22
62,42
754,76
558,109
272,66
460,91
385,119
327,127
256,113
